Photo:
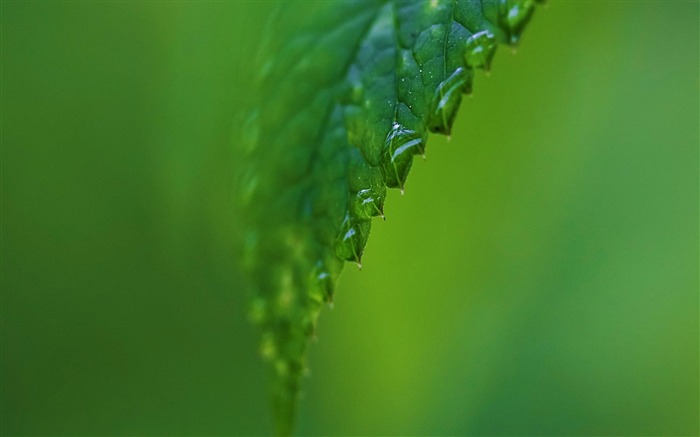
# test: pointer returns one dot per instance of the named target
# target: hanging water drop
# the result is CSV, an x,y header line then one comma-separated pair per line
x,y
399,147
480,49
369,202
322,278
514,15
352,237
446,101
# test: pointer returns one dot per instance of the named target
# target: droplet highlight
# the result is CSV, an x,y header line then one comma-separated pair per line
x,y
514,15
480,49
399,147
321,282
352,238
448,96
368,202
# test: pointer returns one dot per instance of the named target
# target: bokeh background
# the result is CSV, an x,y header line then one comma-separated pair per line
x,y
539,277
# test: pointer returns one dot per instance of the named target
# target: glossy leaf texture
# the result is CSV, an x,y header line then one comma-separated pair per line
x,y
348,92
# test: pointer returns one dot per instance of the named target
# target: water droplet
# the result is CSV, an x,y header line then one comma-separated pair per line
x,y
446,101
399,147
352,237
513,16
369,202
480,49
322,283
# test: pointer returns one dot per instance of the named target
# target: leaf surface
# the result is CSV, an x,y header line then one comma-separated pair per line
x,y
348,92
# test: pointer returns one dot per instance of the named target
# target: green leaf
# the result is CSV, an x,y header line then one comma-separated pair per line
x,y
348,93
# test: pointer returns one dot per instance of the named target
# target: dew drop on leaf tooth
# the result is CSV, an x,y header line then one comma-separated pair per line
x,y
480,49
399,147
514,15
368,202
352,238
322,279
367,188
446,101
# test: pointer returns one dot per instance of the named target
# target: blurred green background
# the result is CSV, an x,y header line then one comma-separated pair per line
x,y
539,277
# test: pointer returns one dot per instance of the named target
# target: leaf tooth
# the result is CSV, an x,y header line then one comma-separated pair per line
x,y
351,239
446,100
367,188
322,279
368,202
399,147
479,50
511,16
